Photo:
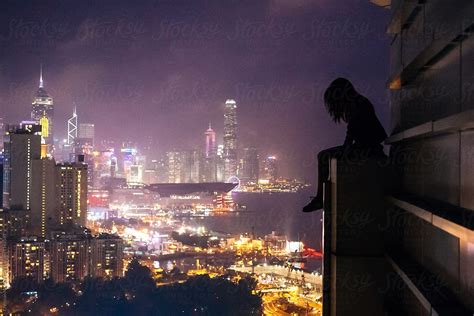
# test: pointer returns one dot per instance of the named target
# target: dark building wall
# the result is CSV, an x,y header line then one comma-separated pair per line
x,y
429,228
432,98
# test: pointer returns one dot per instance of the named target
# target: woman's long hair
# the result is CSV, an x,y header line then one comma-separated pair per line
x,y
340,98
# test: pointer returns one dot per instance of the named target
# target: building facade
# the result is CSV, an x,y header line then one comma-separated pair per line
x,y
107,256
69,257
2,133
43,207
270,169
230,139
22,146
194,167
87,131
430,81
71,184
417,256
176,165
27,258
249,172
210,156
42,112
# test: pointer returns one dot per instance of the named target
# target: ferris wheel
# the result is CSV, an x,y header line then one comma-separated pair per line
x,y
234,179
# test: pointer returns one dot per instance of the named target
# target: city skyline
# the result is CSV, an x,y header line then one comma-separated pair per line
x,y
237,157
208,165
165,86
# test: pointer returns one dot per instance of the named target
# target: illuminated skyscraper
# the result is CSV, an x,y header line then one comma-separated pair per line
x,y
131,163
210,159
107,256
86,130
43,197
22,146
176,162
26,258
3,237
69,257
270,168
72,128
220,164
211,149
85,138
193,168
250,166
1,182
2,133
161,167
230,139
71,181
42,112
102,165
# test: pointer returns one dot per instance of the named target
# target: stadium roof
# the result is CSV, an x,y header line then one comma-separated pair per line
x,y
168,189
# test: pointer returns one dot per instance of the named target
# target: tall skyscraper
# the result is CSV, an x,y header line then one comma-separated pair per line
x,y
42,112
250,166
2,133
43,206
220,164
230,139
85,139
72,128
1,182
161,167
86,130
194,166
176,162
3,236
209,167
270,168
211,149
22,146
71,181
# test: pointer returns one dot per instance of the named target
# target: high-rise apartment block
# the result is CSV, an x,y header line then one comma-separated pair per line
x,y
71,182
69,256
107,256
22,146
27,258
43,211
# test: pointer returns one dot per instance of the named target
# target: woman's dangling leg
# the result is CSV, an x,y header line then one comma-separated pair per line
x,y
324,158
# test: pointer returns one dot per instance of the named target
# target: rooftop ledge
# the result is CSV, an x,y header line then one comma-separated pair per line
x,y
451,124
454,220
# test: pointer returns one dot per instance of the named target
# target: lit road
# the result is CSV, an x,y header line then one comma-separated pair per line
x,y
289,304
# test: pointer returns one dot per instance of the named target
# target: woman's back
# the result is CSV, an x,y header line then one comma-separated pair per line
x,y
363,126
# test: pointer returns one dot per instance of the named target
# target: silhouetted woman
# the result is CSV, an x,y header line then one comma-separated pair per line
x,y
364,132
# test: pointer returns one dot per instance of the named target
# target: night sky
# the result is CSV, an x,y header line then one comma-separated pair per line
x,y
161,70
